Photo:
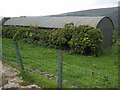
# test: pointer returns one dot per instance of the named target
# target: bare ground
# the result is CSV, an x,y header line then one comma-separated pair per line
x,y
10,78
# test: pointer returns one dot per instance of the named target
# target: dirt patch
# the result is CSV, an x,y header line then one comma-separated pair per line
x,y
10,78
44,74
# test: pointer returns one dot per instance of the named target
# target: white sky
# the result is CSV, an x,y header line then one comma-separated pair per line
x,y
12,8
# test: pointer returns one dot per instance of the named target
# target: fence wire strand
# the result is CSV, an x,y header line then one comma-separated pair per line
x,y
49,65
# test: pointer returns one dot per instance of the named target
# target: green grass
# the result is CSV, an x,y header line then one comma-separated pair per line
x,y
78,70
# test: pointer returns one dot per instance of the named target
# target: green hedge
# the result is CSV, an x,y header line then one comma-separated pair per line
x,y
86,40
28,34
81,39
59,38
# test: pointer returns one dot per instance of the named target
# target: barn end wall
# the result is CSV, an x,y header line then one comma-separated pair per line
x,y
106,26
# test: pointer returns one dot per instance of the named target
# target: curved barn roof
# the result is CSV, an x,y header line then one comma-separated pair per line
x,y
54,22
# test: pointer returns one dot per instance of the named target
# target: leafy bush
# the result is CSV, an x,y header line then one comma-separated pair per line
x,y
8,32
59,38
86,40
116,37
28,34
20,33
81,40
15,32
40,37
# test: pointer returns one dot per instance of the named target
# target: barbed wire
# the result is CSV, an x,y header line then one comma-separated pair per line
x,y
52,64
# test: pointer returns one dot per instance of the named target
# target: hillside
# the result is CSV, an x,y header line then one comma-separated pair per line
x,y
110,12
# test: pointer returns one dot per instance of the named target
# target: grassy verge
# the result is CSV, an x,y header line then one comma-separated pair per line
x,y
41,66
30,78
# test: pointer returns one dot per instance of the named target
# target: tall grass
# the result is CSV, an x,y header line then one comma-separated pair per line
x,y
41,66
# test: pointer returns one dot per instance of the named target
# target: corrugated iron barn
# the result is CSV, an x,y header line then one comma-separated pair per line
x,y
105,24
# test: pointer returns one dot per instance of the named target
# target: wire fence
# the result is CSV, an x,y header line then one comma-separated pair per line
x,y
52,65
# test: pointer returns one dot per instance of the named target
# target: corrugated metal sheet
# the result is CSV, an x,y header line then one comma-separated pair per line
x,y
54,22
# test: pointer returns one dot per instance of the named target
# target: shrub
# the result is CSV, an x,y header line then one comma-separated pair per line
x,y
28,34
15,32
115,37
20,33
41,37
59,38
81,40
8,32
86,40
56,39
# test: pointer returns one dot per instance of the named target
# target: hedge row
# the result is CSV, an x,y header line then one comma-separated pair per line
x,y
28,34
83,39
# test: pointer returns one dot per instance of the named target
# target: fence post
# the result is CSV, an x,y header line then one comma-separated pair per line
x,y
60,59
19,56
1,40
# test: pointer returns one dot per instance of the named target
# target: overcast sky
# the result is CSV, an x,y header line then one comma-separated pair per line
x,y
13,8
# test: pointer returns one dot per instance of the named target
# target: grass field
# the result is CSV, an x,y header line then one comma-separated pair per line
x,y
41,66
